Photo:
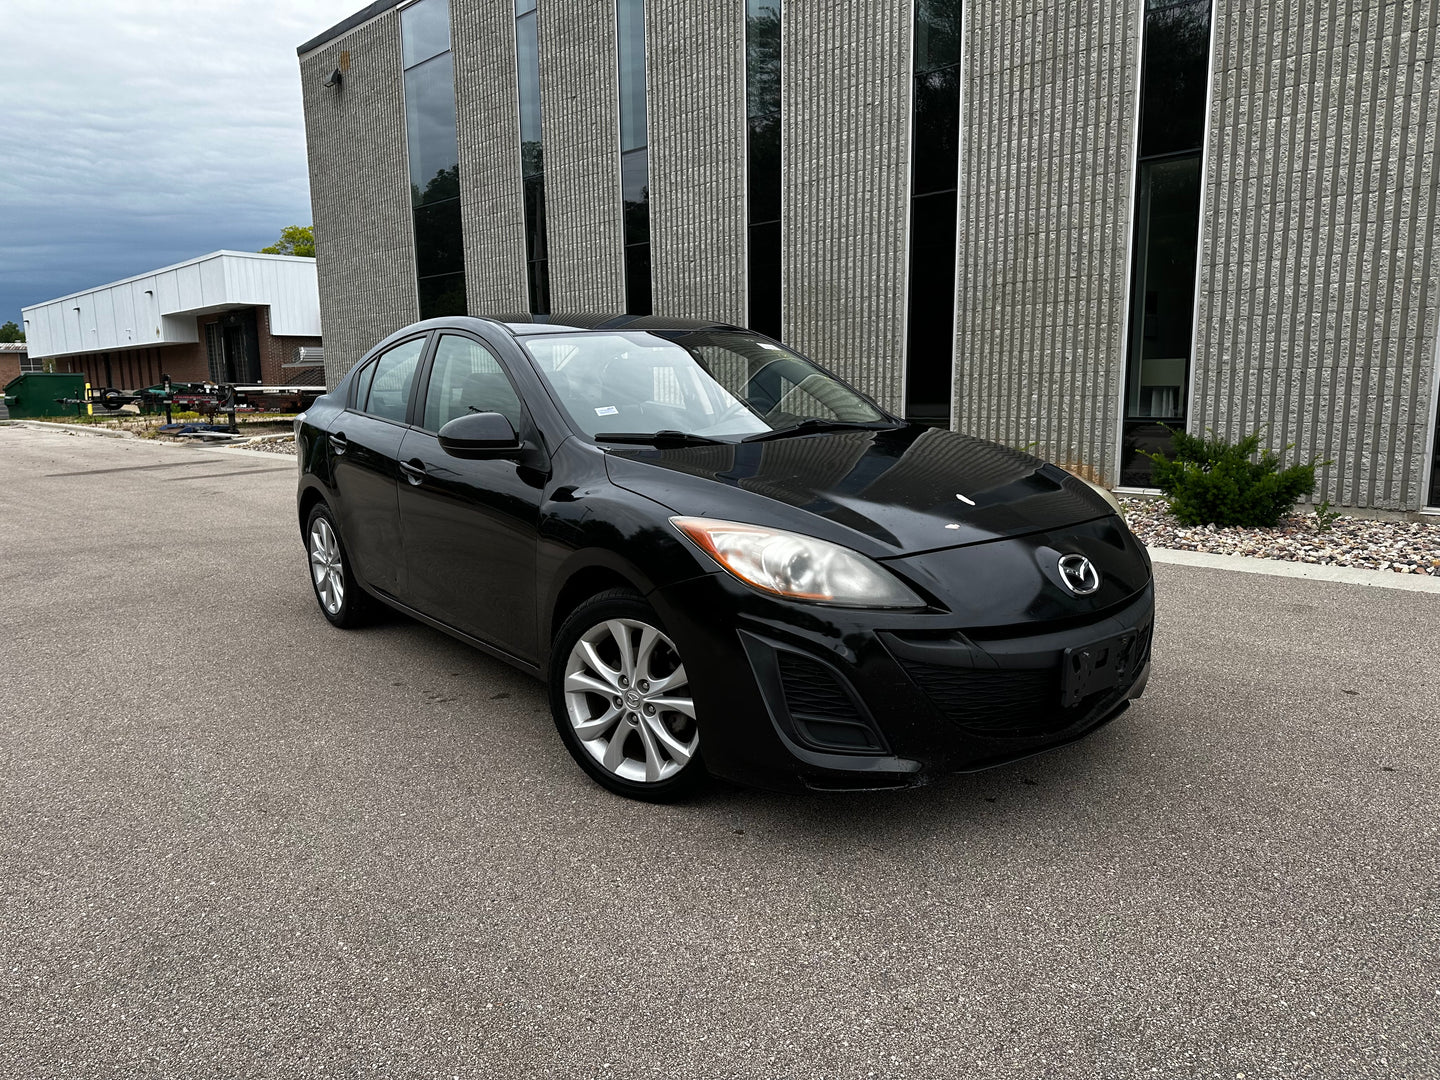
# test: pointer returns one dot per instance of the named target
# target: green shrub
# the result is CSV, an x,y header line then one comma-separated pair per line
x,y
1210,481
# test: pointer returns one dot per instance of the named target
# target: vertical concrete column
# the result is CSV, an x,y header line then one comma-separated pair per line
x,y
578,99
487,122
359,191
1048,98
845,140
696,102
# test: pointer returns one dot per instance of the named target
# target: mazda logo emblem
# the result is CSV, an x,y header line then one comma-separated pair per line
x,y
1079,574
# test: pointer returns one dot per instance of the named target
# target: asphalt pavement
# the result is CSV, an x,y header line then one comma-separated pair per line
x,y
237,842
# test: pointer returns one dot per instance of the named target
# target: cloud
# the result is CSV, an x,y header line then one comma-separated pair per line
x,y
143,132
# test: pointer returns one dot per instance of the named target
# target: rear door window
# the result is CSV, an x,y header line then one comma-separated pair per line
x,y
386,393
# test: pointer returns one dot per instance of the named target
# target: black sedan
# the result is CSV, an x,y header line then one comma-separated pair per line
x,y
721,558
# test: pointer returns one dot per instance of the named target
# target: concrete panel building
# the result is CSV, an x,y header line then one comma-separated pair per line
x,y
227,317
1067,227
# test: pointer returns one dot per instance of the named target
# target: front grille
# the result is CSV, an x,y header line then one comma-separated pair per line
x,y
1016,703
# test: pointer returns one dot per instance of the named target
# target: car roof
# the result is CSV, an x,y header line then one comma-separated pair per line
x,y
525,324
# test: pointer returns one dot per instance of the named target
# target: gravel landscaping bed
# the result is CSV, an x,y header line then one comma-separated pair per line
x,y
283,445
1404,547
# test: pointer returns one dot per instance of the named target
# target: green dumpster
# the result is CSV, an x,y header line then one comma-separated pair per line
x,y
38,393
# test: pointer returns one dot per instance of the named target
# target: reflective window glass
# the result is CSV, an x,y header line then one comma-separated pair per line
x,y
438,242
635,186
527,48
937,131
394,372
937,34
443,295
430,129
1176,74
424,31
466,378
630,15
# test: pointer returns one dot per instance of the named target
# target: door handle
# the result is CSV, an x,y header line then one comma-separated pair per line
x,y
338,442
414,470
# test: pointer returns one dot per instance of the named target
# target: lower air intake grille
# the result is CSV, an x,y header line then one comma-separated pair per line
x,y
822,711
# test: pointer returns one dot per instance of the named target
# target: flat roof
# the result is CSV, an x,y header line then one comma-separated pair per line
x,y
165,269
364,15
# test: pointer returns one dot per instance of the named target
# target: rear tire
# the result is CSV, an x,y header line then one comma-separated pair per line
x,y
339,596
621,700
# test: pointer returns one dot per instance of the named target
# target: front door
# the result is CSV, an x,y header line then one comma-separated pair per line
x,y
470,527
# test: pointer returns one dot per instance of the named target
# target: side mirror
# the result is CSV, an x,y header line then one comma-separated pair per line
x,y
480,435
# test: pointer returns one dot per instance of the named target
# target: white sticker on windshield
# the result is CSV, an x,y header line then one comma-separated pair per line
x,y
767,345
607,410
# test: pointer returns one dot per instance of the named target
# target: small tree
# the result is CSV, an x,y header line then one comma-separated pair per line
x,y
1210,481
10,333
294,240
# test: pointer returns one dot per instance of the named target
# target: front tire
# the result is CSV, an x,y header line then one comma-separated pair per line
x,y
336,591
621,699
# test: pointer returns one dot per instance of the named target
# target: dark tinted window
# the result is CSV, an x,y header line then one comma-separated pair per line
x,y
424,31
635,186
430,128
762,100
439,247
1176,73
937,131
388,394
444,295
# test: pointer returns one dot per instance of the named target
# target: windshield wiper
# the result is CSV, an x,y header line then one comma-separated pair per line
x,y
815,423
667,437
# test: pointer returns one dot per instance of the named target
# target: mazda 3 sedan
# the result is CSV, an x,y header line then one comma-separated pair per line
x,y
720,557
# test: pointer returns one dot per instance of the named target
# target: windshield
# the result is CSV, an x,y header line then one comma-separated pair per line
x,y
716,384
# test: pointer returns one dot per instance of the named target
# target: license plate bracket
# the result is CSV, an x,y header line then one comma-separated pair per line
x,y
1098,666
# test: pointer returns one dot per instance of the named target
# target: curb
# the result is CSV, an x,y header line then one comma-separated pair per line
x,y
1248,564
74,429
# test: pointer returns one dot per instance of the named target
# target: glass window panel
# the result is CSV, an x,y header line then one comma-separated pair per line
x,y
937,131
439,245
762,57
424,31
931,336
466,378
535,242
937,34
1162,318
630,15
765,278
635,187
430,129
539,281
637,279
1177,61
389,390
523,7
444,295
527,48
362,385
764,176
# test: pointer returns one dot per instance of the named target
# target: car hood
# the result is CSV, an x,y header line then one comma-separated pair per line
x,y
887,493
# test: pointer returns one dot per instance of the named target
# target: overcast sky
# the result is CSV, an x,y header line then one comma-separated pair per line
x,y
139,133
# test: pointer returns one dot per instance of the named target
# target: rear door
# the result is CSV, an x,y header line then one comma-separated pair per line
x,y
365,449
471,527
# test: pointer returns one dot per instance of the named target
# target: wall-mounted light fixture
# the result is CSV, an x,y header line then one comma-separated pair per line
x,y
337,77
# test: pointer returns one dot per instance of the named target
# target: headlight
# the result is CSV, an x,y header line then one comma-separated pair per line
x,y
797,567
1109,496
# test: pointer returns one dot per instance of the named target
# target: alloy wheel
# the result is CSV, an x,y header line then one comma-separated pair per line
x,y
628,701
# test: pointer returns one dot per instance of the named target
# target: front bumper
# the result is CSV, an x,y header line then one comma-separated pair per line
x,y
794,696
